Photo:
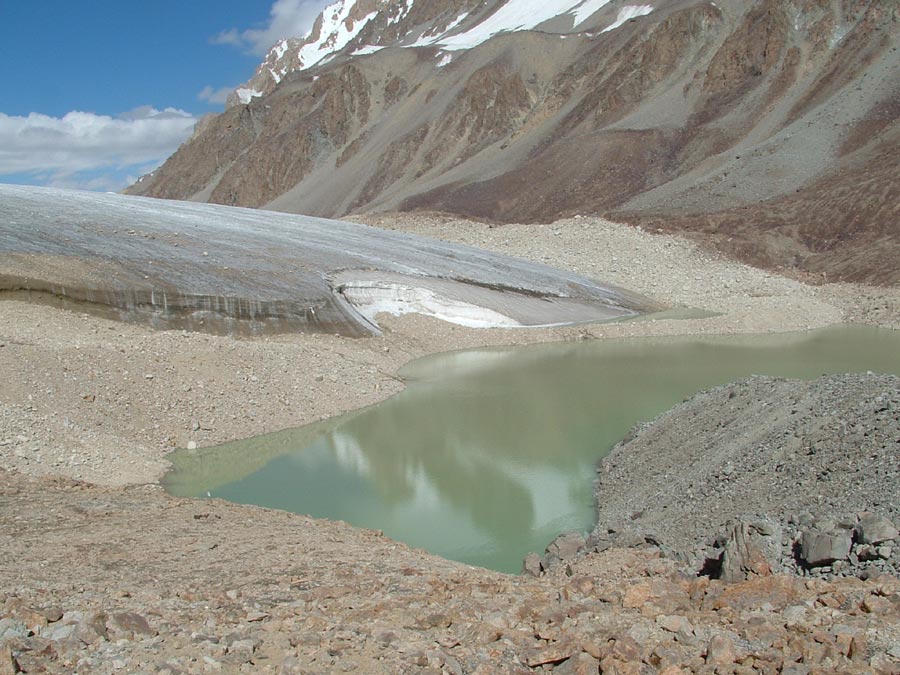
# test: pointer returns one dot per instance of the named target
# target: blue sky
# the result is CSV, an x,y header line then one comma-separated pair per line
x,y
97,93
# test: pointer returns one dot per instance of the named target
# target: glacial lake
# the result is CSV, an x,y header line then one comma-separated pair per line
x,y
489,454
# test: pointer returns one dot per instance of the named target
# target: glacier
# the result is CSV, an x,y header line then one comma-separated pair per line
x,y
224,269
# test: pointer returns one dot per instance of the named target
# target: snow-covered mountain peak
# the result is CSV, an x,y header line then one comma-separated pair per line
x,y
363,27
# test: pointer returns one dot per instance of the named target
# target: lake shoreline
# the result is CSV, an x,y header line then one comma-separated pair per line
x,y
124,395
91,407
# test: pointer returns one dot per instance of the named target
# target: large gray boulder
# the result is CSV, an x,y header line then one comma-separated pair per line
x,y
822,548
874,529
751,549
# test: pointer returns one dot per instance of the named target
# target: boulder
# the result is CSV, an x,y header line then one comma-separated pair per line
x,y
820,548
751,549
532,565
92,628
131,623
554,653
579,664
720,651
10,628
566,545
875,529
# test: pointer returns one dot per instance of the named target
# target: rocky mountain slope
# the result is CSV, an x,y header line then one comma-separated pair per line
x,y
769,128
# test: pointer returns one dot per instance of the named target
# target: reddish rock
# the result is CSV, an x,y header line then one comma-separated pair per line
x,y
636,596
675,623
611,666
673,670
552,654
132,623
8,664
721,651
777,591
625,649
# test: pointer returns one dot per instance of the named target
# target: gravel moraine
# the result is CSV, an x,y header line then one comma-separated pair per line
x,y
805,455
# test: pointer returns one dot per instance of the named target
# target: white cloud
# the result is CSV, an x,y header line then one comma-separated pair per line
x,y
214,96
287,18
89,150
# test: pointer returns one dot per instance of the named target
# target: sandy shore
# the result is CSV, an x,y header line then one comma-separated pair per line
x,y
102,401
112,575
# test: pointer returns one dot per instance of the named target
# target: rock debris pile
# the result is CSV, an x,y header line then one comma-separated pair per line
x,y
783,475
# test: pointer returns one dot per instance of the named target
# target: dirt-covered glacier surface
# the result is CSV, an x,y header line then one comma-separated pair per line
x,y
222,269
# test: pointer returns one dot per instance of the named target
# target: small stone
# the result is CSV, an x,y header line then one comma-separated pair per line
x,y
307,639
192,445
611,666
383,636
436,620
243,650
881,663
672,670
60,632
211,664
866,552
452,666
794,615
875,604
291,666
625,649
10,628
636,596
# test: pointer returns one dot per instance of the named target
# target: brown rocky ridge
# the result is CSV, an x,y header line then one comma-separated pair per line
x,y
766,129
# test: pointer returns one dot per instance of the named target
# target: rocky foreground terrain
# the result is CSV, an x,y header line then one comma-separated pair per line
x,y
101,572
101,581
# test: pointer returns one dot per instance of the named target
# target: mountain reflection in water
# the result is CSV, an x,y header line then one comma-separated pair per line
x,y
487,455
